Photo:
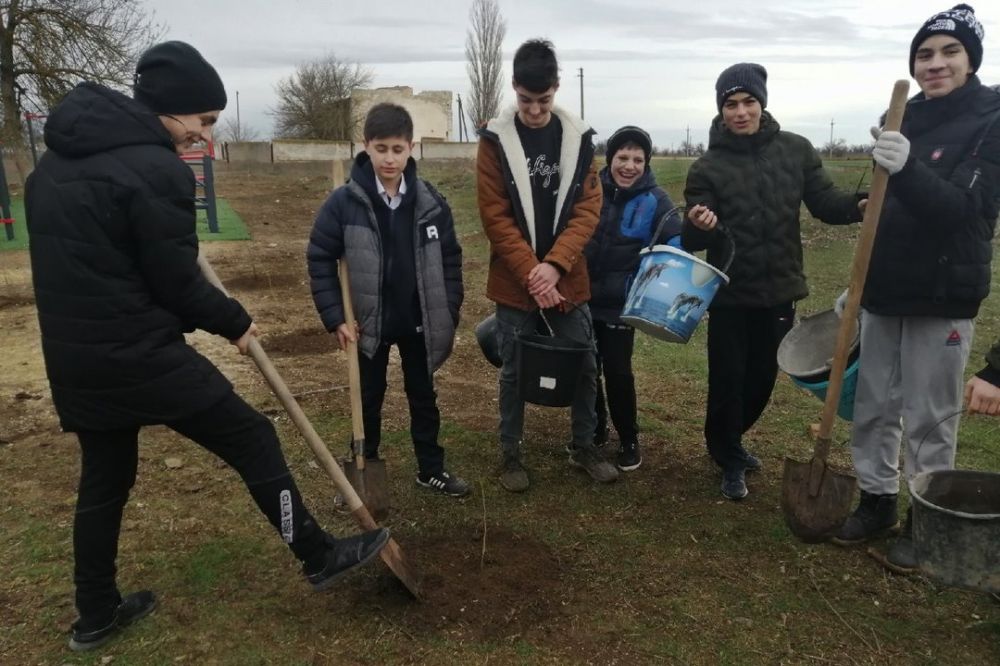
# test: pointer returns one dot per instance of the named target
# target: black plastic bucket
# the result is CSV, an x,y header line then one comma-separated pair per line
x,y
549,368
956,527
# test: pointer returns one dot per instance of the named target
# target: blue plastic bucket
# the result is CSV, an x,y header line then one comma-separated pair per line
x,y
845,408
670,293
806,354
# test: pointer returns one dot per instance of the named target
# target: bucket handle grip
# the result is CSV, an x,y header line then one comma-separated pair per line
x,y
573,306
721,227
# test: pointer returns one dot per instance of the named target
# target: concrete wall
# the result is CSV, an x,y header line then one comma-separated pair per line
x,y
433,150
307,151
431,110
258,152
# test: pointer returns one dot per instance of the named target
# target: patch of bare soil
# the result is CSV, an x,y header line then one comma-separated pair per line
x,y
516,585
303,342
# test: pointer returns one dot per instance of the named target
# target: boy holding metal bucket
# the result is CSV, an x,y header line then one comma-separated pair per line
x,y
753,179
929,272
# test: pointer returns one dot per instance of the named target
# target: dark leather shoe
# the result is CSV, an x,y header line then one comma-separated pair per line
x,y
344,556
135,606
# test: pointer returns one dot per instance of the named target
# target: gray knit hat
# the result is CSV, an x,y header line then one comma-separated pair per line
x,y
748,77
961,23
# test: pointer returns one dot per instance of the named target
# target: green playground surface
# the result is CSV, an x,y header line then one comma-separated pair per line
x,y
231,226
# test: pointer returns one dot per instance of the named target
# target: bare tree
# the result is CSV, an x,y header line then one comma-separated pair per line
x,y
315,101
47,46
236,131
483,43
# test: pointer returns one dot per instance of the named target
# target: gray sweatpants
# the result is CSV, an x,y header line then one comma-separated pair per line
x,y
909,378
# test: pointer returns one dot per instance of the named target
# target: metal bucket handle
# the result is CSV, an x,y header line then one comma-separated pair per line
x,y
935,427
540,311
721,227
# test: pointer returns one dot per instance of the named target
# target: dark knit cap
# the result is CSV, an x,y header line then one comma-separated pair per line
x,y
173,77
748,77
961,23
625,135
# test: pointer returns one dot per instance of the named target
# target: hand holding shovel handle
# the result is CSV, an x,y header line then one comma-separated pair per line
x,y
392,555
859,271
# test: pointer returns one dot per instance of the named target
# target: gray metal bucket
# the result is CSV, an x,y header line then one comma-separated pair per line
x,y
956,527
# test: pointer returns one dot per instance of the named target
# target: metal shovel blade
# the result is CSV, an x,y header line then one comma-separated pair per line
x,y
372,484
815,498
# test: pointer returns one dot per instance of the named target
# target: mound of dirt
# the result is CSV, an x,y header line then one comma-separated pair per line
x,y
303,342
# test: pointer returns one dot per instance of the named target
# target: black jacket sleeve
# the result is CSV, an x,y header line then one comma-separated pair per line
x,y
326,247
698,191
167,255
991,372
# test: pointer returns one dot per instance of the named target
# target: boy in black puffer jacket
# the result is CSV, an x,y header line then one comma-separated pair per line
x,y
398,238
753,179
632,208
110,210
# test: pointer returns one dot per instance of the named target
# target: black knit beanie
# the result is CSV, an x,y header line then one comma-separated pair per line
x,y
748,77
173,77
625,135
961,23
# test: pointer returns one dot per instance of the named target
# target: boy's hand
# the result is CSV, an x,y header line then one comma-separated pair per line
x,y
542,278
981,397
702,217
549,299
243,342
345,335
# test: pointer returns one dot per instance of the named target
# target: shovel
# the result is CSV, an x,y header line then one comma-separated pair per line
x,y
391,554
815,498
367,476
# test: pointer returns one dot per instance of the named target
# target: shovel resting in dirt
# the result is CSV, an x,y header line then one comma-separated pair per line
x,y
815,498
391,554
368,477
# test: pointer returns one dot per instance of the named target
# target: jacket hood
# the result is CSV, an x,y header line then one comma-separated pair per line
x,y
93,119
720,137
363,173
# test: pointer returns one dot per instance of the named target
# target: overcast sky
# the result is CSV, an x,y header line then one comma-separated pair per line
x,y
651,63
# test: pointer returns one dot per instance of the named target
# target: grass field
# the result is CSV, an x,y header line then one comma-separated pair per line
x,y
656,568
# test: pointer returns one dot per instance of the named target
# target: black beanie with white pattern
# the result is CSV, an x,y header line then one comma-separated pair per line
x,y
961,23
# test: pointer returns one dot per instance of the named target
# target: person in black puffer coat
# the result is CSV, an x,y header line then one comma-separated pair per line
x,y
929,272
111,218
632,208
753,180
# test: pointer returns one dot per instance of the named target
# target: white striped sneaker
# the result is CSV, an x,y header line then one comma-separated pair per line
x,y
444,483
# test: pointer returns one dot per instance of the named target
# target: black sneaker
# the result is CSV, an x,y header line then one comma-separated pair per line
x,y
629,456
734,484
597,467
344,556
133,607
875,515
444,483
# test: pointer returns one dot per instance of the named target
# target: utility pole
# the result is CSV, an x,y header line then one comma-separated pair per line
x,y
831,138
239,127
687,144
581,92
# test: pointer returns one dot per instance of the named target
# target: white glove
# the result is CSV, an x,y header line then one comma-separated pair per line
x,y
838,306
891,150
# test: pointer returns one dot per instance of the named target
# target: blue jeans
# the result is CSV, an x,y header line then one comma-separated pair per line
x,y
575,325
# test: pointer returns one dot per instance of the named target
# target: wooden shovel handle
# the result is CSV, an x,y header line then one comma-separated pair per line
x,y
353,368
319,449
859,271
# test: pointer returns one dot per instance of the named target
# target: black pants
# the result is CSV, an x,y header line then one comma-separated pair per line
x,y
742,367
232,430
425,419
614,361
